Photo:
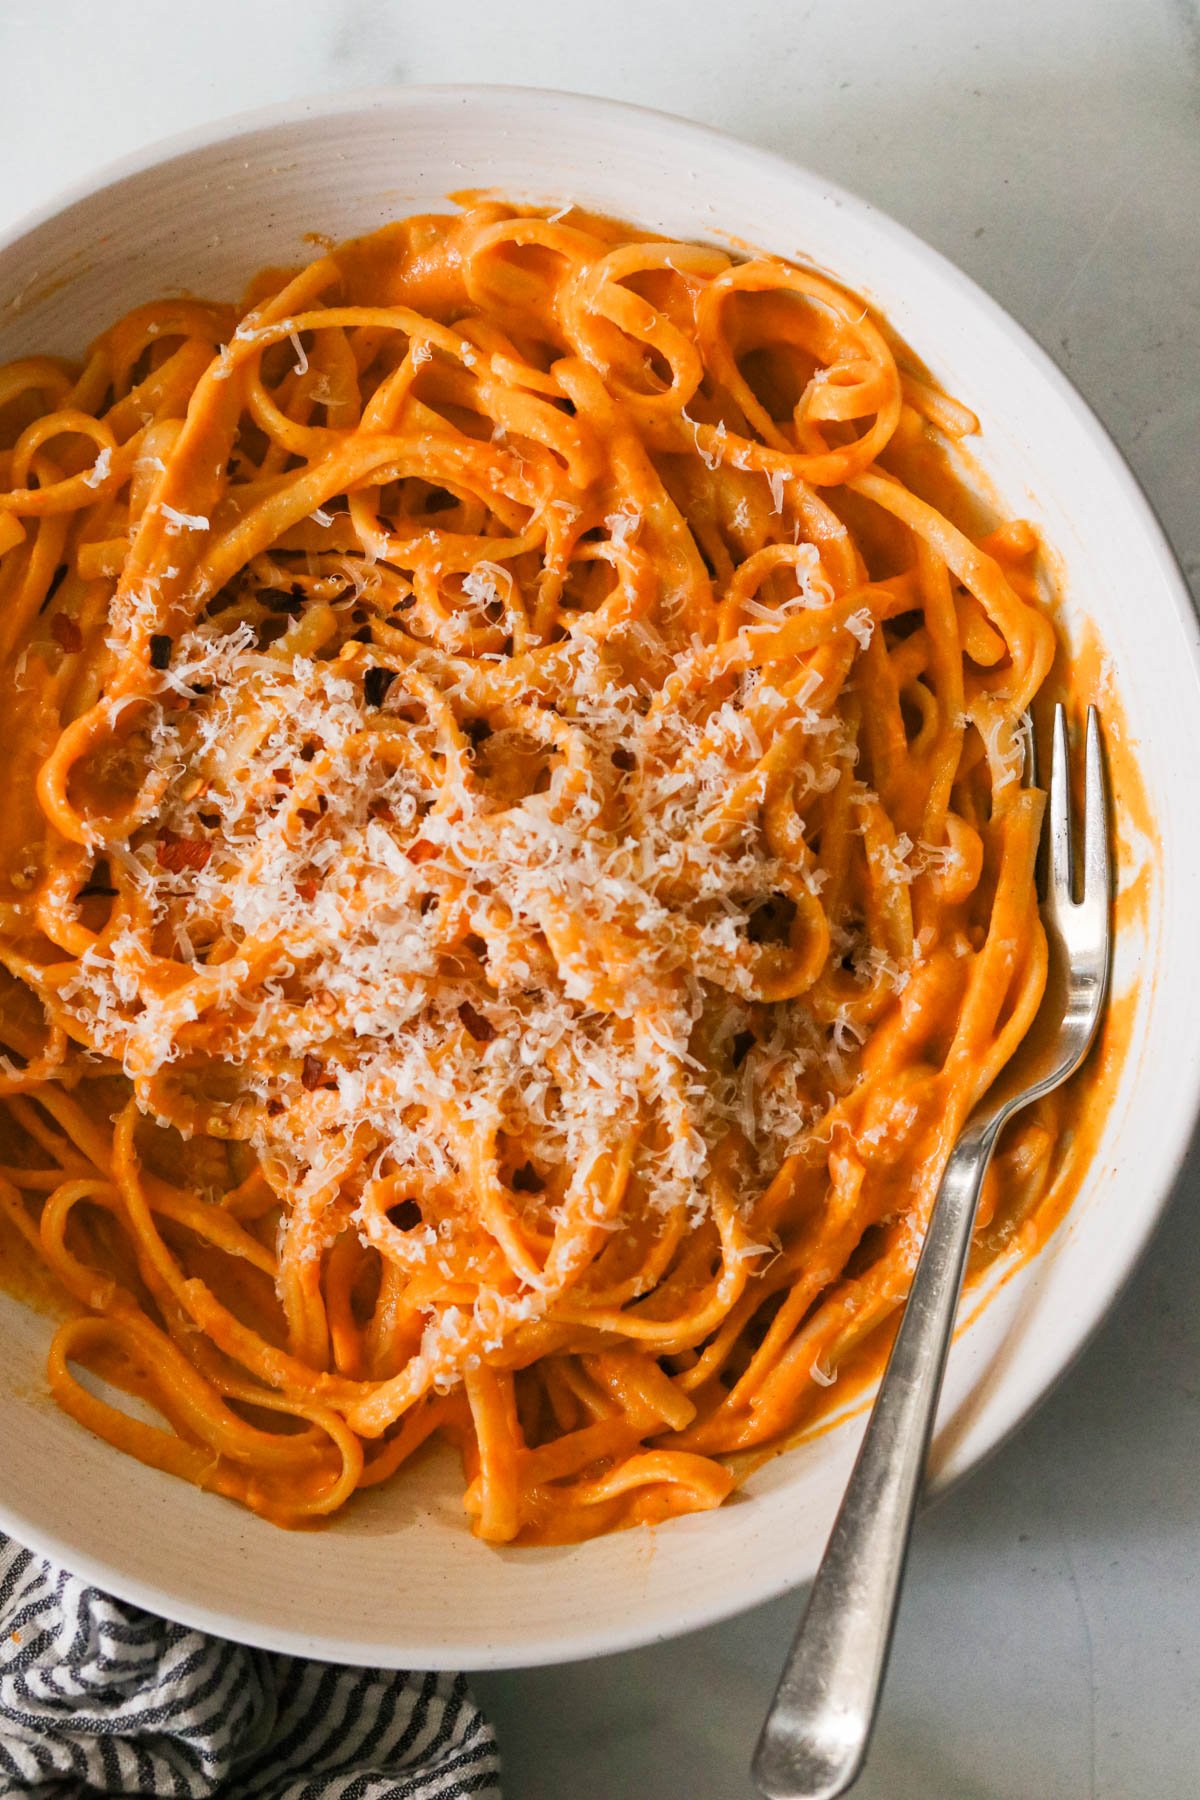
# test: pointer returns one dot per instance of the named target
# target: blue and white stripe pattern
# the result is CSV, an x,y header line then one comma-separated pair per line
x,y
97,1697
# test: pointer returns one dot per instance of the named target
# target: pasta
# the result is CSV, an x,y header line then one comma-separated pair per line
x,y
516,863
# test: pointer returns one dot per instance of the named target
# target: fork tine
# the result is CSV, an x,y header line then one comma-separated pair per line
x,y
1061,873
1031,750
1096,872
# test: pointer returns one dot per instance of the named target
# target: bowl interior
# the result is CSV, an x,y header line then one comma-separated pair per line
x,y
399,1580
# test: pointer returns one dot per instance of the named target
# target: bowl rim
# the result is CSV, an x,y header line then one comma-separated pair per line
x,y
1180,1133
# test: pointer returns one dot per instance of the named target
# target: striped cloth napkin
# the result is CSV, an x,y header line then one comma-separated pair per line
x,y
97,1697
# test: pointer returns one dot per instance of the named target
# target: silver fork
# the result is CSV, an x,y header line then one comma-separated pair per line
x,y
815,1738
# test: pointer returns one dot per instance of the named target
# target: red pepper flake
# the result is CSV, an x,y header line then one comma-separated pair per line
x,y
379,809
481,1029
67,634
312,1073
376,683
283,777
307,889
177,853
421,851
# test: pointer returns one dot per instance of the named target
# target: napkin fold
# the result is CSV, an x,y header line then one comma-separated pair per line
x,y
97,1697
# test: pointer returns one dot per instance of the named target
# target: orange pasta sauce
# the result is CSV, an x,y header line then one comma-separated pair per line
x,y
518,865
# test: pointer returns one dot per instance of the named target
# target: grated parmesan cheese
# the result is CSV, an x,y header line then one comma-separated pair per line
x,y
861,626
99,469
181,521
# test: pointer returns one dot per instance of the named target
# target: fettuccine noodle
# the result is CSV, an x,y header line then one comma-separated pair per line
x,y
515,864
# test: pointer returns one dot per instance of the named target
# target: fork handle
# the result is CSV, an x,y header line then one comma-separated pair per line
x,y
815,1738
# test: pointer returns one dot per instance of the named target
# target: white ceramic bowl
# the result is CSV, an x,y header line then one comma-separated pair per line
x,y
398,1580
